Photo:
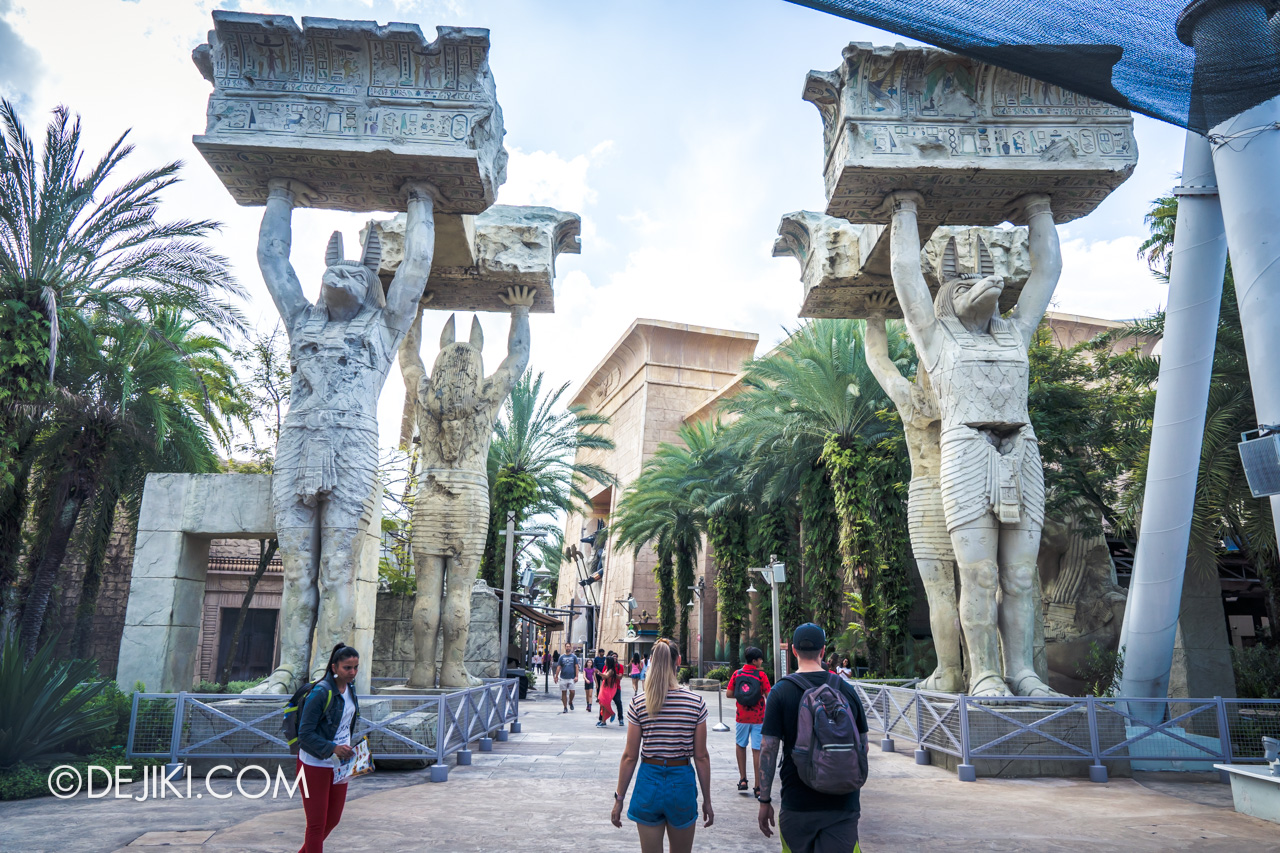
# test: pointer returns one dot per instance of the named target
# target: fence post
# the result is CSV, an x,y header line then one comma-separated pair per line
x,y
486,737
922,754
1224,739
515,723
175,739
133,725
966,771
886,743
1097,771
440,770
464,723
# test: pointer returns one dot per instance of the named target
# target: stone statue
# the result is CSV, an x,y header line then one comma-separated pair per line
x,y
992,483
456,409
917,405
327,453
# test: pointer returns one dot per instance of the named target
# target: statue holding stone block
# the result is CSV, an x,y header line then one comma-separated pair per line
x,y
456,407
341,349
917,405
992,482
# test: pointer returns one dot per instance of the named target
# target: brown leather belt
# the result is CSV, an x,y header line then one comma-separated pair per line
x,y
664,762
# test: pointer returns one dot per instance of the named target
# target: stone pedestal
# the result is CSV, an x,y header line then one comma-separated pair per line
x,y
478,258
180,514
968,135
352,109
393,639
845,267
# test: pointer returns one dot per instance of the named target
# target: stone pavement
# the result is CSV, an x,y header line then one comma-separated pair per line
x,y
548,789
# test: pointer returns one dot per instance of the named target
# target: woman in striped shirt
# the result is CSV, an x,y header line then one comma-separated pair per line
x,y
668,731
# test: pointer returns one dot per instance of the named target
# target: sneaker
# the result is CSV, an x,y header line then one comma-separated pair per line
x,y
588,706
570,704
601,724
620,722
565,711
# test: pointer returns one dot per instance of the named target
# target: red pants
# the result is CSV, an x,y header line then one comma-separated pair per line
x,y
322,803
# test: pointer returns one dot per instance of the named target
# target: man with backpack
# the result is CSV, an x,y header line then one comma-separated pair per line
x,y
748,687
821,727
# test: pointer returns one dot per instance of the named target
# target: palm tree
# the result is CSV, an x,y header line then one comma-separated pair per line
x,y
668,507
77,242
144,394
534,469
815,387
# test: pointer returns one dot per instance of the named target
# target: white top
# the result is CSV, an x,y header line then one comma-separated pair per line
x,y
343,736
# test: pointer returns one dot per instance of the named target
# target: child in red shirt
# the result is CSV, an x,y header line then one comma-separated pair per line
x,y
748,687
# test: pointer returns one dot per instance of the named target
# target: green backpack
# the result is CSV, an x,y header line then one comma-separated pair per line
x,y
293,712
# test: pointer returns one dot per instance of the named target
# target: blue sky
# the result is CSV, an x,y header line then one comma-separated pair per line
x,y
675,129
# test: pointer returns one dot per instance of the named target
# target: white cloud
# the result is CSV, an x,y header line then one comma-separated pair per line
x,y
544,177
1106,278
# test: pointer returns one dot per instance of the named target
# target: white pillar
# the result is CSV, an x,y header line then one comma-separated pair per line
x,y
1186,361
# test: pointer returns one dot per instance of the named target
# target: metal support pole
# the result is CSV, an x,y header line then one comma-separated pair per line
x,y
506,593
1224,737
779,660
1186,361
720,726
175,738
966,772
1097,772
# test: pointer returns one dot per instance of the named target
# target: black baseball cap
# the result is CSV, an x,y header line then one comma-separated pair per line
x,y
809,638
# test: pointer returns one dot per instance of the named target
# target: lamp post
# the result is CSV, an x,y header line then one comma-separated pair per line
x,y
511,533
775,573
698,590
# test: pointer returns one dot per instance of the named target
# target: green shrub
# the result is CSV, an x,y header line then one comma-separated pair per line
x,y
1101,671
720,673
44,706
686,672
118,706
1257,670
232,686
23,781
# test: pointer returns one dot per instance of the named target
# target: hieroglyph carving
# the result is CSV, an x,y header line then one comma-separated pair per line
x,y
968,135
352,109
917,405
456,410
326,461
991,479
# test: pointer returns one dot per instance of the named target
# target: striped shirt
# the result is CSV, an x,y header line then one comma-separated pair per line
x,y
670,734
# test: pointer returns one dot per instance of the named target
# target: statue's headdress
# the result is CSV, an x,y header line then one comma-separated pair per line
x,y
949,264
370,260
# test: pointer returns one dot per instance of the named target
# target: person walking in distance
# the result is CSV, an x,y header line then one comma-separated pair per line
x,y
598,660
748,687
610,685
636,669
566,675
589,680
668,729
612,659
823,767
327,720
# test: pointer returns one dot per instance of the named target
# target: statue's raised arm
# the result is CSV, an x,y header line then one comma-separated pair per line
x,y
419,246
908,277
411,366
275,240
497,386
876,344
1046,262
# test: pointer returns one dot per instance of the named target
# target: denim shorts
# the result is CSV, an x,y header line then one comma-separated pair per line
x,y
748,732
664,795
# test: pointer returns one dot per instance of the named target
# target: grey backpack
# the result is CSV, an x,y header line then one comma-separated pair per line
x,y
830,754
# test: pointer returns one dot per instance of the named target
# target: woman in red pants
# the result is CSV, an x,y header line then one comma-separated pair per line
x,y
328,718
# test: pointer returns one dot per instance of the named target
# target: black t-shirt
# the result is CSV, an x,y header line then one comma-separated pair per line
x,y
780,717
598,660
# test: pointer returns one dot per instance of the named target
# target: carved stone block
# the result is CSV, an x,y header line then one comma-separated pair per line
x,y
352,109
511,246
845,267
970,136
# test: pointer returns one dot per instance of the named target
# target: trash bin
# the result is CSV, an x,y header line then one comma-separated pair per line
x,y
516,672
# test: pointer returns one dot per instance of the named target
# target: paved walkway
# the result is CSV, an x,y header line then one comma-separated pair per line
x,y
548,789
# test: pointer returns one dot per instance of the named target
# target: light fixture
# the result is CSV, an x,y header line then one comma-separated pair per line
x,y
751,586
690,602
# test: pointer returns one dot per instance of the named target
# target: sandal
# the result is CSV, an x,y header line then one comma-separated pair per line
x,y
742,786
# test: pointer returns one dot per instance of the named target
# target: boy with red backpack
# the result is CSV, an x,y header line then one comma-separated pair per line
x,y
748,687
817,720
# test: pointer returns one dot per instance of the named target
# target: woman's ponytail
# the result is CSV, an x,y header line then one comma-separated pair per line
x,y
662,677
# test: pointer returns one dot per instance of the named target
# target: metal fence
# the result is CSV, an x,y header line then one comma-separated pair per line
x,y
1149,734
181,727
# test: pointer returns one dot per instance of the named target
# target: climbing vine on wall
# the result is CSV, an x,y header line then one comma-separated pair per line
x,y
768,539
824,575
727,534
684,579
664,577
869,481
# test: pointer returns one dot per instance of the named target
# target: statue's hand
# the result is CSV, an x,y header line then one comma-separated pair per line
x,y
876,315
519,297
899,200
295,192
423,191
1021,209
